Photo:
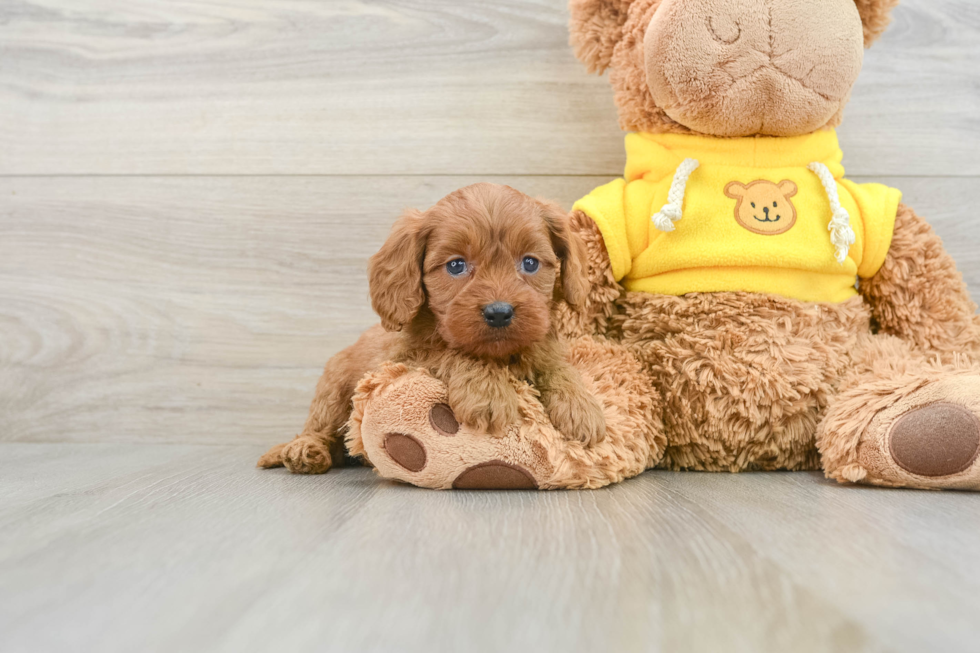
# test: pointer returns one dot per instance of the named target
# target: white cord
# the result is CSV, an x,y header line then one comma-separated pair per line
x,y
674,208
841,233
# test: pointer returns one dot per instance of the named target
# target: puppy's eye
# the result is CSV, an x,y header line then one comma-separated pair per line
x,y
530,264
456,267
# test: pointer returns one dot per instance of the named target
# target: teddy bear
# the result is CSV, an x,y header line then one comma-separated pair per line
x,y
750,307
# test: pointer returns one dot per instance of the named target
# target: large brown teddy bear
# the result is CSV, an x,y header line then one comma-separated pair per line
x,y
750,307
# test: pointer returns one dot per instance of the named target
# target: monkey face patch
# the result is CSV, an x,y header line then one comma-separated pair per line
x,y
764,207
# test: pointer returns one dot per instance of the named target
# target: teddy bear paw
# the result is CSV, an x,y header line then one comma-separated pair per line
x,y
930,439
409,433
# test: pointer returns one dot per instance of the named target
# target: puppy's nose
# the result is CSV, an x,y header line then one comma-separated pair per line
x,y
498,314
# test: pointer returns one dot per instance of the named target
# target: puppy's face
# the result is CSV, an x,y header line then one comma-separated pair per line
x,y
490,272
488,259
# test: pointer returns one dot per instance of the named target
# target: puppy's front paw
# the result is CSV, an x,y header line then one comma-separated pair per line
x,y
305,455
272,457
577,416
503,415
493,420
493,414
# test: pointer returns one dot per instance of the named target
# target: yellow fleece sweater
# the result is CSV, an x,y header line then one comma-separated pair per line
x,y
754,217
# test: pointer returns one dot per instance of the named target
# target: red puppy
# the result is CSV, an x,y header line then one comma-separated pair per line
x,y
464,290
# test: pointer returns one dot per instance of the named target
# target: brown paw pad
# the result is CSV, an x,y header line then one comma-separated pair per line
x,y
405,450
443,420
936,440
495,475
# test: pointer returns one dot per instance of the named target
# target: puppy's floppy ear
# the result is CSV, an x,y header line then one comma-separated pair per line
x,y
875,16
571,253
395,273
595,27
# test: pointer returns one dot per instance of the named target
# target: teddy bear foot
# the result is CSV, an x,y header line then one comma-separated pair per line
x,y
935,440
411,435
930,439
409,453
403,426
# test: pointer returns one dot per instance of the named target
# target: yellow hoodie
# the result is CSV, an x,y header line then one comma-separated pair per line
x,y
762,215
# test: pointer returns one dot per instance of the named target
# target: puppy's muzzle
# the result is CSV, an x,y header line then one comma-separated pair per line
x,y
498,314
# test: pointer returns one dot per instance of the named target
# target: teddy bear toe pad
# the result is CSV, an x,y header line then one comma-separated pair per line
x,y
443,420
938,439
405,450
928,439
495,475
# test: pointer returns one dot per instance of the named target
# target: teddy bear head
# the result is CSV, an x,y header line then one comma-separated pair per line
x,y
728,67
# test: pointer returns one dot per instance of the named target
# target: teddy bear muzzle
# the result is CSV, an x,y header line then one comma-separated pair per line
x,y
732,68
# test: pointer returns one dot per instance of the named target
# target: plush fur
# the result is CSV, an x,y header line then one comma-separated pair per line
x,y
758,382
611,34
434,320
730,381
763,370
919,296
876,15
595,29
885,380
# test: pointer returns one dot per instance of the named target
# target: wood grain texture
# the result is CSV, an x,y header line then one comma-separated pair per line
x,y
159,307
400,87
167,548
203,309
187,309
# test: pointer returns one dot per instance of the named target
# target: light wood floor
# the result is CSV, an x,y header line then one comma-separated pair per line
x,y
188,195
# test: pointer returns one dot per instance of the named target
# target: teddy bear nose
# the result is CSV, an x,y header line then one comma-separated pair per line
x,y
498,314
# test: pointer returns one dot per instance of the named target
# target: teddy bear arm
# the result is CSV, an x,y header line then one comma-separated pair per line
x,y
593,316
918,294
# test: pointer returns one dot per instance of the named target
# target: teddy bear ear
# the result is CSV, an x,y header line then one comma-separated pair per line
x,y
875,15
595,27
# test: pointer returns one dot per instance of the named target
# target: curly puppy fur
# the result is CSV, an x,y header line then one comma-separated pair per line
x,y
432,317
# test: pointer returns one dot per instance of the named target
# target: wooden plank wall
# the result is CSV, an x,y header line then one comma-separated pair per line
x,y
189,191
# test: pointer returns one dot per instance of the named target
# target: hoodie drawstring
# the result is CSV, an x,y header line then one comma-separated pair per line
x,y
674,208
841,234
